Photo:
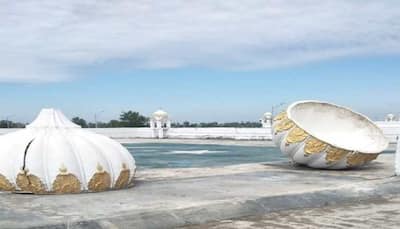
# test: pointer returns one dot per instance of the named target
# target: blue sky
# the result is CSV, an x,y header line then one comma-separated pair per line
x,y
369,85
200,61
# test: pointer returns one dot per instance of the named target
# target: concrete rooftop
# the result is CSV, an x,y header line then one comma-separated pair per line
x,y
169,198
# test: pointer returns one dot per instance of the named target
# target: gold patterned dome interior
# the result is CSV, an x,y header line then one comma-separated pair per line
x,y
338,126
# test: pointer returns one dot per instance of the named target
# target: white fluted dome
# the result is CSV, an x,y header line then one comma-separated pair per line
x,y
54,155
160,115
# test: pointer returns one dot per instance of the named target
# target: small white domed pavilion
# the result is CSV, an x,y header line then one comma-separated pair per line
x,y
390,118
160,123
266,120
54,155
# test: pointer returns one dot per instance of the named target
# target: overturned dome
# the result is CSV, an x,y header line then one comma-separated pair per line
x,y
54,155
160,115
325,135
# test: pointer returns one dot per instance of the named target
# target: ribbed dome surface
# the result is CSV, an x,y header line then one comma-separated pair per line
x,y
54,155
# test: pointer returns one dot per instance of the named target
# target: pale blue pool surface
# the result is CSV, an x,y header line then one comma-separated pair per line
x,y
169,155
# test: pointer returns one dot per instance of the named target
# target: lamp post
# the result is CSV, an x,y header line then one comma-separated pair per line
x,y
275,107
397,157
7,118
95,117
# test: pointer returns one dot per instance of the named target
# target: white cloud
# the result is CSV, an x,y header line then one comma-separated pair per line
x,y
50,40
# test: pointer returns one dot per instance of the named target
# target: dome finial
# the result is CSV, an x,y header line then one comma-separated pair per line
x,y
99,167
52,118
63,169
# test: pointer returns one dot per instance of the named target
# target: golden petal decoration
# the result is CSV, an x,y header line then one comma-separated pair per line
x,y
5,184
100,181
296,134
356,159
123,179
314,146
284,125
280,116
30,183
334,154
371,157
66,183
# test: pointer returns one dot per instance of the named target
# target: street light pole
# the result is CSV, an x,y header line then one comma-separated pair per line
x,y
397,158
95,117
8,123
276,106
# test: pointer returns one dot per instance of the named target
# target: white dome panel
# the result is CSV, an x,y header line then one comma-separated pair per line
x,y
62,158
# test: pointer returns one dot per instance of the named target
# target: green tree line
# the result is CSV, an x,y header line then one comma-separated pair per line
x,y
216,124
11,124
126,119
135,119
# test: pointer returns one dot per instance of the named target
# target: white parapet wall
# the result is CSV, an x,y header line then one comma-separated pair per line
x,y
121,133
190,133
397,159
183,133
7,130
390,129
124,133
221,133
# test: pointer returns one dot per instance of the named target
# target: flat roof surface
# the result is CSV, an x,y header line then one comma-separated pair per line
x,y
174,197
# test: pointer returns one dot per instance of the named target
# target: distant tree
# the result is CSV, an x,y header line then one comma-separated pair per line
x,y
11,124
114,123
175,124
133,119
5,124
242,124
216,124
209,124
91,125
99,125
102,124
80,121
186,124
